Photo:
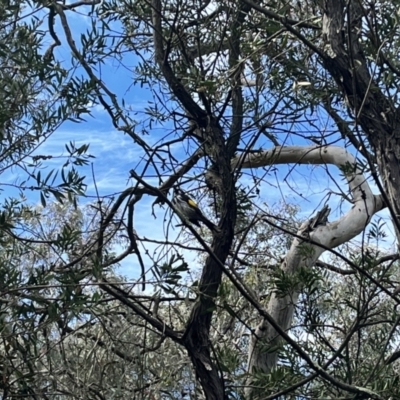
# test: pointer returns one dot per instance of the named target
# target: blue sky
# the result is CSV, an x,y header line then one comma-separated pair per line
x,y
116,153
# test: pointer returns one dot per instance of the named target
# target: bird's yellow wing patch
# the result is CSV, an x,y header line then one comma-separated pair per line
x,y
192,203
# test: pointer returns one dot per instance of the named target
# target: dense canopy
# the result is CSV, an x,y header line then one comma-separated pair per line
x,y
280,118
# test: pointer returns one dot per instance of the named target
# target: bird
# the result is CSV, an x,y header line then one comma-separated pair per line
x,y
190,210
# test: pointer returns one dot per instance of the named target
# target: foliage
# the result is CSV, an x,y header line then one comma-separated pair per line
x,y
226,79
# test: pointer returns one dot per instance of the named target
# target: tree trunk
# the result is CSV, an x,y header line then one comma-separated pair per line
x,y
373,111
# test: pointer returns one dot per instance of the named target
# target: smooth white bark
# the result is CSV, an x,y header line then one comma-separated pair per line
x,y
365,205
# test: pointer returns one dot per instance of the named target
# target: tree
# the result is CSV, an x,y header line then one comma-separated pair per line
x,y
232,84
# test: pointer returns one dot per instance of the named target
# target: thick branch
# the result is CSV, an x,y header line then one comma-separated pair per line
x,y
330,235
374,111
236,65
162,60
280,18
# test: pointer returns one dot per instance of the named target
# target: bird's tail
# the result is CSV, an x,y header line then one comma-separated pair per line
x,y
209,224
